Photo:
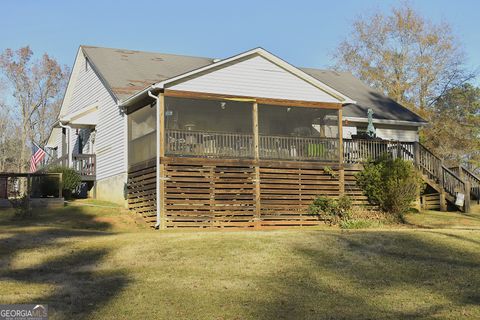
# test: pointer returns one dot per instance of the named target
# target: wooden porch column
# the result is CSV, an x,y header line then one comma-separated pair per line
x,y
256,155
341,171
161,185
466,204
60,185
416,154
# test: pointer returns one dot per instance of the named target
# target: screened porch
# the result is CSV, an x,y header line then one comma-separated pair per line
x,y
231,129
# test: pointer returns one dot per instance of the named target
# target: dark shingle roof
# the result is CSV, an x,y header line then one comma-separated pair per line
x,y
366,97
127,72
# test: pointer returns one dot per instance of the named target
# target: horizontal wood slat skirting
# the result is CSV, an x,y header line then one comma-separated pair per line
x,y
221,193
431,201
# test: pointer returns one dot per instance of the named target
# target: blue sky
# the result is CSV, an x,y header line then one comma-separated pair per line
x,y
302,32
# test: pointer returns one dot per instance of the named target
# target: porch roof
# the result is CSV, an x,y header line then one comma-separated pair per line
x,y
85,117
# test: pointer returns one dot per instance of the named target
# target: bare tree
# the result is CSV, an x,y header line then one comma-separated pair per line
x,y
409,58
37,87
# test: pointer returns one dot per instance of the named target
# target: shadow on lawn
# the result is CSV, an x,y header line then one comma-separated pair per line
x,y
377,276
79,289
75,217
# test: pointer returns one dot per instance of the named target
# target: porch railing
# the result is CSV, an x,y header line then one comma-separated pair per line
x,y
209,144
298,148
239,145
358,151
84,164
62,161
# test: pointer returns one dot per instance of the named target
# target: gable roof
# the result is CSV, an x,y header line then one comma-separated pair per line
x,y
338,96
365,96
128,73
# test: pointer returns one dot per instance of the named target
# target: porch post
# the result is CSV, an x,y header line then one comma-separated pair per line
x,y
160,164
466,204
256,155
341,171
70,147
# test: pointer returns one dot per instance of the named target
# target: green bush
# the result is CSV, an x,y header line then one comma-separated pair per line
x,y
392,184
331,210
71,179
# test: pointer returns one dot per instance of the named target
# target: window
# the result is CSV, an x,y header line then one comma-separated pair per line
x,y
142,135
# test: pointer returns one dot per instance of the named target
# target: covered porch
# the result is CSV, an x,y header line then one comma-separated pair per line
x,y
220,127
233,162
77,132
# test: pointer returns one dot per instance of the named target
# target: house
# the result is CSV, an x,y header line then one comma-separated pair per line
x,y
244,141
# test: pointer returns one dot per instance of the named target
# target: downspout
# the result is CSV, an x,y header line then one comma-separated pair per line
x,y
157,225
69,147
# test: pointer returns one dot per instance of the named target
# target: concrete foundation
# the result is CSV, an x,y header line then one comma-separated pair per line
x,y
112,189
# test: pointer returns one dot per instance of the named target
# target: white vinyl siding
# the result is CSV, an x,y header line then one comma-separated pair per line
x,y
385,131
398,134
58,142
110,131
255,77
56,139
88,88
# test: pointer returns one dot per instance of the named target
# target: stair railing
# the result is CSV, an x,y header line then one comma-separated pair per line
x,y
469,176
432,166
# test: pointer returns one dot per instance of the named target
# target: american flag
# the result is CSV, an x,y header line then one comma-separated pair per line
x,y
37,155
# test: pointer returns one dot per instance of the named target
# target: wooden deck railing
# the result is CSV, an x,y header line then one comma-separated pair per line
x,y
209,144
239,145
84,164
62,161
298,148
451,182
472,178
358,151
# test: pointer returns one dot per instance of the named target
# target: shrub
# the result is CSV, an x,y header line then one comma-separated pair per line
x,y
392,184
71,179
331,210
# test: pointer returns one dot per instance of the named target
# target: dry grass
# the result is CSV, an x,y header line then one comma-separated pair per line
x,y
85,264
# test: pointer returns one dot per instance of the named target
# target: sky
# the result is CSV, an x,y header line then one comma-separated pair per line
x,y
304,33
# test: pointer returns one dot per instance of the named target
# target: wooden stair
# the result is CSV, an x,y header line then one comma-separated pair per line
x,y
472,178
447,182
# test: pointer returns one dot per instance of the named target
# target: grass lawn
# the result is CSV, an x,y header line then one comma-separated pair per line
x,y
101,262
